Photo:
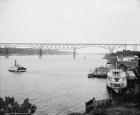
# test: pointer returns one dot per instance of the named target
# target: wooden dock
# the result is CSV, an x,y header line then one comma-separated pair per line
x,y
99,105
108,107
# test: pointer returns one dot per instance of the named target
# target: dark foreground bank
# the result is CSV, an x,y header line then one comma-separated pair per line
x,y
9,106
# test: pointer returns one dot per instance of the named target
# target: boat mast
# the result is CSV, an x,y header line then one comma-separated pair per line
x,y
116,64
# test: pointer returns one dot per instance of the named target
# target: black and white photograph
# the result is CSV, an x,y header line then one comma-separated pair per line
x,y
69,57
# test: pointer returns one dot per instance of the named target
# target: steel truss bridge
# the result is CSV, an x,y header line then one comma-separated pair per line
x,y
65,46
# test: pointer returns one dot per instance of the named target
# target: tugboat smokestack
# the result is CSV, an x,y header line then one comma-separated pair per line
x,y
15,63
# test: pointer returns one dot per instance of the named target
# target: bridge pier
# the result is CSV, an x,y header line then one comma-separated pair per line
x,y
40,53
125,48
111,50
134,47
74,53
7,52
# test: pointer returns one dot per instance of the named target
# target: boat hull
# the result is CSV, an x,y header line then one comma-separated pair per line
x,y
116,90
97,75
17,70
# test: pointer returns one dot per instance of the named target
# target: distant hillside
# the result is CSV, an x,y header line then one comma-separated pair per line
x,y
31,51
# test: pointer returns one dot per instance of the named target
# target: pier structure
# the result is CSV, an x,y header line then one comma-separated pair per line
x,y
41,47
64,46
134,46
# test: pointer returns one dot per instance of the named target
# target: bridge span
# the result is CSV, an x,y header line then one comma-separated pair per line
x,y
65,46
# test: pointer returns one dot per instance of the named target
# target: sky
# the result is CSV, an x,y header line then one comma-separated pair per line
x,y
70,21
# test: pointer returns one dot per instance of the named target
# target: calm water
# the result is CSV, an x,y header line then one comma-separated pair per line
x,y
56,84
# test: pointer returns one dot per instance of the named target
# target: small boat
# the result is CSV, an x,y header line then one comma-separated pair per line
x,y
17,68
116,80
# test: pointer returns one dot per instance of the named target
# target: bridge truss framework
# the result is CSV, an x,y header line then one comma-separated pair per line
x,y
65,46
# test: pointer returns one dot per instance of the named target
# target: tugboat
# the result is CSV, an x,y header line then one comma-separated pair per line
x,y
17,68
116,80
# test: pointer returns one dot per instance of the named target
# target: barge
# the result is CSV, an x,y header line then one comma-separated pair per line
x,y
100,72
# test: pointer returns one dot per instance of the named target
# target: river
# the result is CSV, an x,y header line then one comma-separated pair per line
x,y
56,84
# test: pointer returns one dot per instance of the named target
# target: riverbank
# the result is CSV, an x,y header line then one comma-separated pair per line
x,y
123,109
127,102
113,107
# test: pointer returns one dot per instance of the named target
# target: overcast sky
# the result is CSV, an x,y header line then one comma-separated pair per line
x,y
70,21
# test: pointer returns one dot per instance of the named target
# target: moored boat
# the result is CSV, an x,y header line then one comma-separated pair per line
x,y
100,72
116,80
17,68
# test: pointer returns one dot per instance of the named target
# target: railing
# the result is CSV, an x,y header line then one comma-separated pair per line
x,y
93,105
100,107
